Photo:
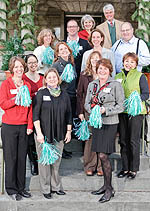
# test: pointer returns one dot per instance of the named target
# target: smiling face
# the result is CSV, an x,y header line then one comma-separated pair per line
x,y
32,64
47,39
52,79
103,72
88,24
63,51
72,28
129,63
109,15
126,32
96,39
18,69
94,60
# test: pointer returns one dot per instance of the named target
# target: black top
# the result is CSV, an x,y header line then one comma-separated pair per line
x,y
70,87
54,114
143,86
78,60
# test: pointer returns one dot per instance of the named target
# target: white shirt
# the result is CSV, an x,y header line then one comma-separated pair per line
x,y
131,46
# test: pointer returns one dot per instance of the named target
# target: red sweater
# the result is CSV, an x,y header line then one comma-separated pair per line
x,y
83,34
14,115
34,85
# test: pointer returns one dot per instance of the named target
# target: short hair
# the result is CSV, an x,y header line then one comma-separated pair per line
x,y
12,63
72,20
30,55
50,70
108,7
89,18
132,55
41,35
57,51
106,63
101,33
128,24
88,69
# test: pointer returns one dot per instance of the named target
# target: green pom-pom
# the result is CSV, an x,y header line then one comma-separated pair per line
x,y
48,56
49,154
74,47
133,104
23,97
82,132
95,119
68,74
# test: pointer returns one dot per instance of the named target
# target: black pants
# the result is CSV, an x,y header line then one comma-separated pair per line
x,y
130,130
14,140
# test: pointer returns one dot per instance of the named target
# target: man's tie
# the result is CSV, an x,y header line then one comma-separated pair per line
x,y
111,23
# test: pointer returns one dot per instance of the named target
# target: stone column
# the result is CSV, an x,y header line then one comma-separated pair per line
x,y
3,15
25,10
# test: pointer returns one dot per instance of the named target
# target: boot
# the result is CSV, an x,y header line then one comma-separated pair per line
x,y
33,159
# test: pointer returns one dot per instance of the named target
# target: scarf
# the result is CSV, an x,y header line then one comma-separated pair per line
x,y
55,92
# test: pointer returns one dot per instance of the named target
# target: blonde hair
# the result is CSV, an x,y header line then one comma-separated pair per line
x,y
57,52
50,70
42,34
88,70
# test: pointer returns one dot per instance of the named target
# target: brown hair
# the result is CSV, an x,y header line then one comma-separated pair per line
x,y
88,71
101,33
132,55
57,52
12,63
50,70
41,35
106,63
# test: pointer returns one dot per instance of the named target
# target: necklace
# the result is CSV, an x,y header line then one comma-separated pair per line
x,y
18,83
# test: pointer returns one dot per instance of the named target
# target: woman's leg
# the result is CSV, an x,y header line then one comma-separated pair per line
x,y
56,184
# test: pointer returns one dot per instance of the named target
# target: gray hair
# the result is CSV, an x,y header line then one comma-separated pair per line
x,y
128,23
89,18
108,7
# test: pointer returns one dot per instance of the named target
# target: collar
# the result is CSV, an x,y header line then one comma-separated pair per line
x,y
63,62
110,22
69,40
131,41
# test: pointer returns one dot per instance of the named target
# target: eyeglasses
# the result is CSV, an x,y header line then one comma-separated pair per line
x,y
73,27
31,63
126,30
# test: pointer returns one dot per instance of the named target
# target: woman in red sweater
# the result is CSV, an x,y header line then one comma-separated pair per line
x,y
16,125
36,82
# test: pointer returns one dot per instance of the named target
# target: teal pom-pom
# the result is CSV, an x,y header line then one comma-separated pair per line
x,y
74,47
23,97
49,154
48,56
95,119
68,73
133,104
82,132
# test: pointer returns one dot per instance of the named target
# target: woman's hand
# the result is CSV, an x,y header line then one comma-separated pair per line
x,y
81,116
29,131
68,137
40,138
102,109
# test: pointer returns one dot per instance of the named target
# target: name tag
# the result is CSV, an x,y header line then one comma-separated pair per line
x,y
119,80
13,91
80,47
107,90
46,98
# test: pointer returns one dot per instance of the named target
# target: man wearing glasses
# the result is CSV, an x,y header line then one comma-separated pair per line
x,y
82,45
129,43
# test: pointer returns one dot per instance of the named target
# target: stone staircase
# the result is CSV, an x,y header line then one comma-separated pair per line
x,y
130,195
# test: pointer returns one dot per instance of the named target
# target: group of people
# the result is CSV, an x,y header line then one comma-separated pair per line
x,y
102,66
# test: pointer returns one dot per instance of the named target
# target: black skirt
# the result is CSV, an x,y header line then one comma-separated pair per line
x,y
103,140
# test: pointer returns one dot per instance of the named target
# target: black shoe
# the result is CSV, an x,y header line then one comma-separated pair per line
x,y
131,175
47,195
122,174
25,194
66,156
59,192
34,168
16,197
98,192
107,196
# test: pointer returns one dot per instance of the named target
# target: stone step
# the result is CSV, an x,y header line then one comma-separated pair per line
x,y
75,201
